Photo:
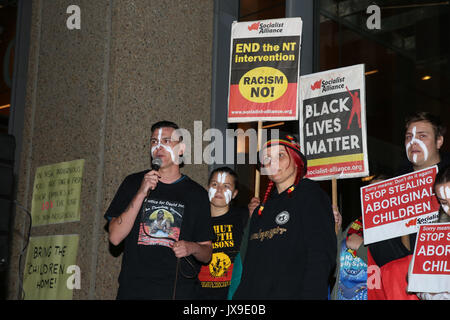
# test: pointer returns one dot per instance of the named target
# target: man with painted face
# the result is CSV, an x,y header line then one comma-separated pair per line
x,y
424,137
161,265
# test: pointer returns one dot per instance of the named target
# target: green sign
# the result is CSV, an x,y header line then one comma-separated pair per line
x,y
56,193
50,271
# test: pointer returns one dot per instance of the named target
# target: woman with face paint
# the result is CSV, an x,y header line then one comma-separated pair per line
x,y
442,191
228,224
291,248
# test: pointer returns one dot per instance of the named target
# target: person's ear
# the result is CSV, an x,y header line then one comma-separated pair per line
x,y
235,192
182,148
179,150
439,142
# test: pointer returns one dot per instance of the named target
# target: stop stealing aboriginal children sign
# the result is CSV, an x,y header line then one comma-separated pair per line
x,y
429,270
397,206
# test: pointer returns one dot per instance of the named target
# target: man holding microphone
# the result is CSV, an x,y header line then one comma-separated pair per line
x,y
161,265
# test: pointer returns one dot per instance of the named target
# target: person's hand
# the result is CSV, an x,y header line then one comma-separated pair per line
x,y
337,217
354,241
254,202
182,248
149,182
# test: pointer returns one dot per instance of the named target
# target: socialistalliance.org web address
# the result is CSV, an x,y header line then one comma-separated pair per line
x,y
261,111
336,169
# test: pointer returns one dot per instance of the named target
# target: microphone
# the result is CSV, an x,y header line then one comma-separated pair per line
x,y
156,164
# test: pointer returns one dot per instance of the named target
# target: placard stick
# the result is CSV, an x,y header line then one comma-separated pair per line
x,y
273,125
334,200
258,174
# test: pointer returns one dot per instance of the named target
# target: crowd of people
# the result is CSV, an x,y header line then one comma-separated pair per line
x,y
184,242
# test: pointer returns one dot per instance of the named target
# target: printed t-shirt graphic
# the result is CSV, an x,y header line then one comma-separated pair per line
x,y
353,276
215,278
160,222
218,273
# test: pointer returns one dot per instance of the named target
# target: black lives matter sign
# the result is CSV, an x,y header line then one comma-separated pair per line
x,y
332,123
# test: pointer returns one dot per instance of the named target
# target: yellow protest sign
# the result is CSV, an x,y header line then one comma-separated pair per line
x,y
50,271
56,193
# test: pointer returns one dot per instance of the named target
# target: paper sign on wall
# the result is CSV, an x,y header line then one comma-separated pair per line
x,y
49,263
56,193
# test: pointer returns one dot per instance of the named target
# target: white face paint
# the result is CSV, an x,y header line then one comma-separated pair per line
x,y
420,144
221,176
444,193
167,148
227,195
211,193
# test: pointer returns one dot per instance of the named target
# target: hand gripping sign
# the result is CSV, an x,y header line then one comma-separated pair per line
x,y
398,206
430,267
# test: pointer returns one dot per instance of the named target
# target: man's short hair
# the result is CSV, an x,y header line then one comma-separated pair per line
x,y
438,127
165,124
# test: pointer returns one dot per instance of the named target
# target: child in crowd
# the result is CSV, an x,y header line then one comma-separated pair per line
x,y
228,224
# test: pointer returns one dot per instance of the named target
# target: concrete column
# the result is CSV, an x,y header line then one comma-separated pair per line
x,y
93,94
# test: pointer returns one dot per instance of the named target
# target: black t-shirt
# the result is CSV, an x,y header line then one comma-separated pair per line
x,y
215,278
177,211
291,247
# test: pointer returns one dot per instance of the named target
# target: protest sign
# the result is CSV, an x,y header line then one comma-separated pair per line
x,y
333,123
398,206
430,267
47,273
56,193
264,70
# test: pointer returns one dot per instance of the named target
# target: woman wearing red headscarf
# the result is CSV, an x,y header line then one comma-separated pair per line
x,y
292,243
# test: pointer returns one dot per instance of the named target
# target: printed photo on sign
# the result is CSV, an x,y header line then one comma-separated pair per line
x,y
160,222
333,123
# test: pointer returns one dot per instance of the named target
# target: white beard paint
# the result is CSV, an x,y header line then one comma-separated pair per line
x,y
168,149
421,145
445,194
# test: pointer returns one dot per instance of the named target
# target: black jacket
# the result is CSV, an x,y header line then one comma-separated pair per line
x,y
291,247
